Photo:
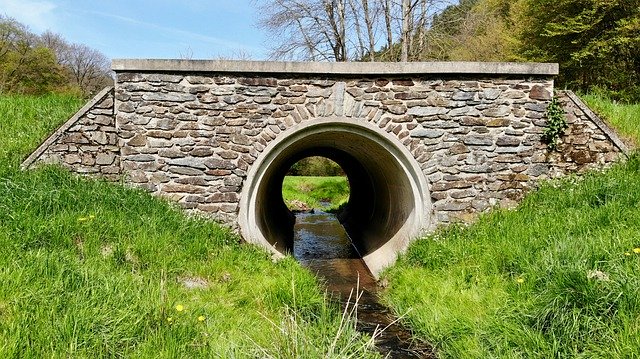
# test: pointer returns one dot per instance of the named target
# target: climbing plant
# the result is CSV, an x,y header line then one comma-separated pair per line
x,y
556,124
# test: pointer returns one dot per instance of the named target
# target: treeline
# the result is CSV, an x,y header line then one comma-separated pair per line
x,y
315,166
596,42
37,64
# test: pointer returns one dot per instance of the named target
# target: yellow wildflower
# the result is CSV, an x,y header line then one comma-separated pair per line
x,y
179,307
201,318
520,280
627,253
636,250
169,320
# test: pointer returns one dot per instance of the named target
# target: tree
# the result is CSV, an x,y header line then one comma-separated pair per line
x,y
346,30
596,42
86,69
89,68
25,65
36,64
474,30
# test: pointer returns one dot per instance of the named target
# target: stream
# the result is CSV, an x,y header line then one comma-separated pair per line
x,y
322,245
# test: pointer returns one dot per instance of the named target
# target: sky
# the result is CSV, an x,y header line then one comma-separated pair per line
x,y
198,29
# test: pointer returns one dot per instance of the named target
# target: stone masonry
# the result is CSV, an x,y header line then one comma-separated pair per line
x,y
192,136
87,143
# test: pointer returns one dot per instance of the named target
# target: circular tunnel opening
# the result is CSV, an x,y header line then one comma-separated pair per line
x,y
314,189
386,205
315,183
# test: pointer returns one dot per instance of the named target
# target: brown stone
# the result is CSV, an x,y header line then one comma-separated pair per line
x,y
137,141
258,81
458,149
403,82
498,122
182,188
581,157
201,152
539,93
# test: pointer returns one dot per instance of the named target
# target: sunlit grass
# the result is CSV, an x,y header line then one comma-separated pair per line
x,y
557,277
325,193
625,118
95,269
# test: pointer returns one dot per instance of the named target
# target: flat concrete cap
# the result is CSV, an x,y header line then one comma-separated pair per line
x,y
337,68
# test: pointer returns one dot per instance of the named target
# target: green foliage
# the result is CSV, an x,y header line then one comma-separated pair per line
x,y
555,278
556,124
32,64
473,30
596,42
315,166
624,117
94,269
25,66
325,193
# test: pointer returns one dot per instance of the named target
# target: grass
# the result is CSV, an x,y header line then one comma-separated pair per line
x,y
94,269
325,193
555,278
624,117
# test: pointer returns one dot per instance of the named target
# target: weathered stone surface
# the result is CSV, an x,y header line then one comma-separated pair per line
x,y
427,111
476,138
539,93
168,97
426,133
501,111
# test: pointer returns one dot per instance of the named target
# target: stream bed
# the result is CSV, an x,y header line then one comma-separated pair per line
x,y
322,245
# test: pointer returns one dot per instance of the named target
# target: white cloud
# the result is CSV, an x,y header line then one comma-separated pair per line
x,y
38,15
175,32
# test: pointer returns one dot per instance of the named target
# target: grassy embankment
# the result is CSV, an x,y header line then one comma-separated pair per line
x,y
624,117
93,269
558,277
325,193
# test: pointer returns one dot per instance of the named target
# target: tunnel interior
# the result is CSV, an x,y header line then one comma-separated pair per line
x,y
381,201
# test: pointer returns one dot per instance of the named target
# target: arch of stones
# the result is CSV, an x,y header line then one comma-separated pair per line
x,y
421,143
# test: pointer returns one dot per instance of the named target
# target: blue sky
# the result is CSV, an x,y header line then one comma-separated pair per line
x,y
200,29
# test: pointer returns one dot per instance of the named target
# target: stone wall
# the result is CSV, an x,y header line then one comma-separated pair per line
x,y
193,137
87,143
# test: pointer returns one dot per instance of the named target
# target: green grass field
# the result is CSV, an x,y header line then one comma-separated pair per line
x,y
555,278
325,193
92,269
625,118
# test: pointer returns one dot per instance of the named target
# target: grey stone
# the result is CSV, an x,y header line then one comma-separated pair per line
x,y
476,140
169,97
426,133
427,111
104,159
141,158
463,96
500,111
188,162
491,93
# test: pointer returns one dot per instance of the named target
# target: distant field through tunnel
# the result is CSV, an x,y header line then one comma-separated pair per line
x,y
388,201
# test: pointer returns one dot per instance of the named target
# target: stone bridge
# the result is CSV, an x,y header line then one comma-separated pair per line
x,y
421,143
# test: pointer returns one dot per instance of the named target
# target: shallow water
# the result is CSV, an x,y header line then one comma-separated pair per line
x,y
322,245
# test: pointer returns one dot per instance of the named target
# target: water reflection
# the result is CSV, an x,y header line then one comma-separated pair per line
x,y
322,245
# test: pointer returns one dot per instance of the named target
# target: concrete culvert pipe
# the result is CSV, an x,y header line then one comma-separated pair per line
x,y
388,205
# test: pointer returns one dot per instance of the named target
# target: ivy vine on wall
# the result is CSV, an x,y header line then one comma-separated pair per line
x,y
556,124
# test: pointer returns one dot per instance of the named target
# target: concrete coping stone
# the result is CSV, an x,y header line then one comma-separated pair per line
x,y
335,68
